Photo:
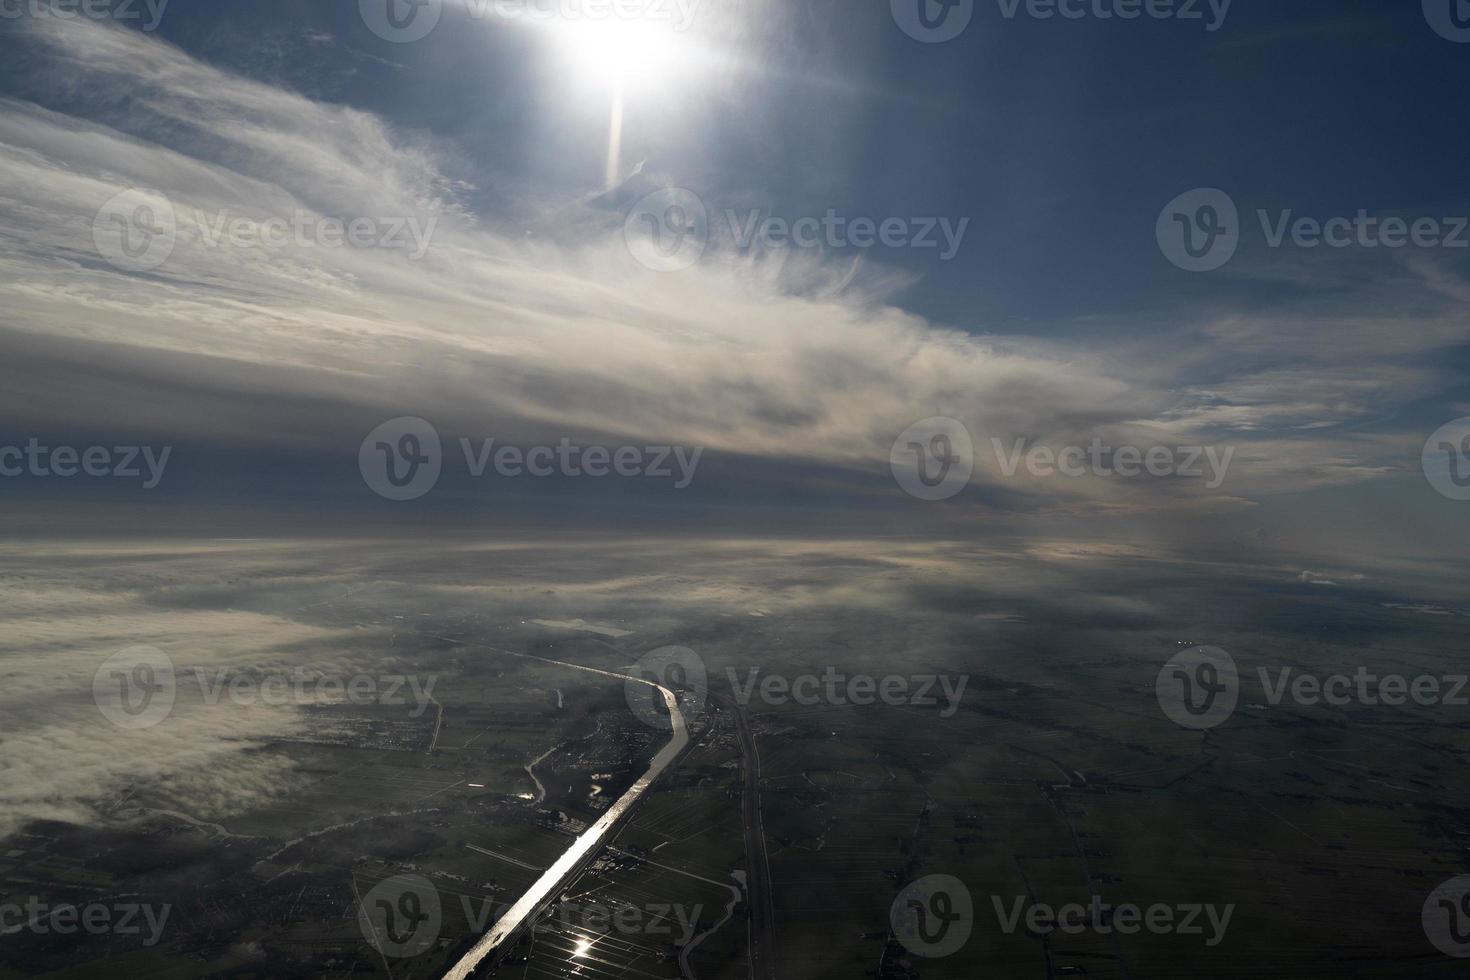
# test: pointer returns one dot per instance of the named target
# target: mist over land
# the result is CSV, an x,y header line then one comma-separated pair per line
x,y
1044,604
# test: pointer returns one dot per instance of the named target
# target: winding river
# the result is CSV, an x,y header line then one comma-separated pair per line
x,y
555,876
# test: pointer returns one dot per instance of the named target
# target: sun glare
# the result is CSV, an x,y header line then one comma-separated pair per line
x,y
629,54
626,60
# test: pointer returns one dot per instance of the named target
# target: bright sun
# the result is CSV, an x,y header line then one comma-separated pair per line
x,y
624,53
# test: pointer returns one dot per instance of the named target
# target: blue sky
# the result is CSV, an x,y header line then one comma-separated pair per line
x,y
1060,139
1059,317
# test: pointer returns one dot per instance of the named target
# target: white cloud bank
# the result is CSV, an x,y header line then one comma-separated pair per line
x,y
492,329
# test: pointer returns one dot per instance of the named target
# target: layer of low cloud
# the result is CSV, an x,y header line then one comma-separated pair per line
x,y
350,606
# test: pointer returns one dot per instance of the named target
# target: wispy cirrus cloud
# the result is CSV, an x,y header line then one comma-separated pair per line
x,y
563,332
